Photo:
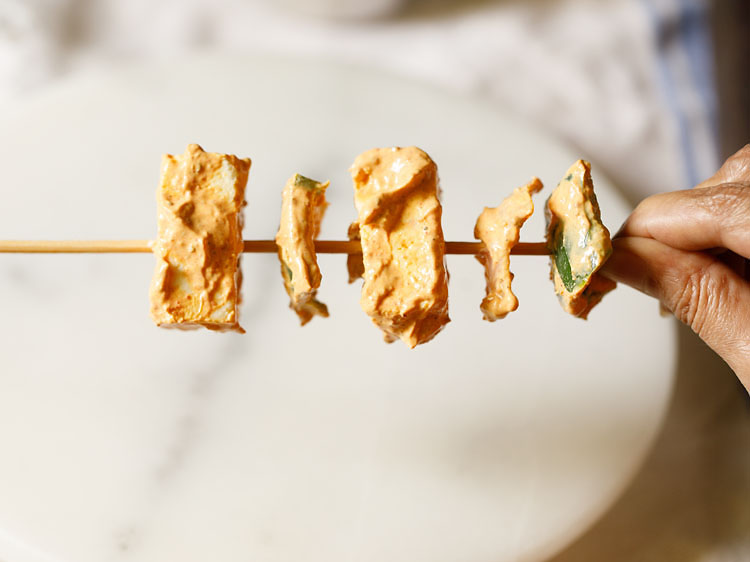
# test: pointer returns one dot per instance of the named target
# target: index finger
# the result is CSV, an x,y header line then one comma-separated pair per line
x,y
735,169
696,219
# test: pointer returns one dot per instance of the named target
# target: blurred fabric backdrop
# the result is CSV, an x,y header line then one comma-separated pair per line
x,y
656,93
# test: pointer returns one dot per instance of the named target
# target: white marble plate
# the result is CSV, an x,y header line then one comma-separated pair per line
x,y
120,441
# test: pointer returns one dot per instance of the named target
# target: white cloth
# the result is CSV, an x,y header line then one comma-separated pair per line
x,y
618,79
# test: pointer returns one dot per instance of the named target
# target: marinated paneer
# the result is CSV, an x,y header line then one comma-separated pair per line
x,y
197,279
303,204
405,289
578,242
499,229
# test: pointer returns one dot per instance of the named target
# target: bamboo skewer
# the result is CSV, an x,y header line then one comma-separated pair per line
x,y
75,246
250,246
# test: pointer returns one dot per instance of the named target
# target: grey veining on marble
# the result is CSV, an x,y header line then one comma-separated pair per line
x,y
202,382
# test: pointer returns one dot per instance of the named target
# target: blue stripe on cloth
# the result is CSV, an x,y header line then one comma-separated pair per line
x,y
696,41
687,30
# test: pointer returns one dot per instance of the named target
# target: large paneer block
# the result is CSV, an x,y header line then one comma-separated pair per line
x,y
197,278
405,290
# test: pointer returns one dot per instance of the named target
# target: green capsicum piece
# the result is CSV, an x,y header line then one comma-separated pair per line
x,y
578,242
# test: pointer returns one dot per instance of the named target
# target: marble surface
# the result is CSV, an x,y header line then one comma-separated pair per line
x,y
689,501
121,441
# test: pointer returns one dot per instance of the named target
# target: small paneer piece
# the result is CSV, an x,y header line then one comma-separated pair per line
x,y
303,203
405,289
499,229
578,242
197,279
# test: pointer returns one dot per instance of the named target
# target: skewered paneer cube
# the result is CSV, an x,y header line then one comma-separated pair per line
x,y
499,229
197,279
578,242
405,289
302,207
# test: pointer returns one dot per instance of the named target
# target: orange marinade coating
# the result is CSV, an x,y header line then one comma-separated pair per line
x,y
197,278
499,229
405,289
303,204
574,226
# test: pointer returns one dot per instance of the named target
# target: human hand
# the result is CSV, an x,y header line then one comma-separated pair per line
x,y
691,250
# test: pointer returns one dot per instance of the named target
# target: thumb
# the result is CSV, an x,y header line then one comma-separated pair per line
x,y
699,289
